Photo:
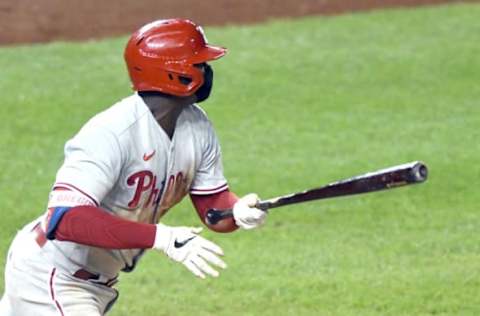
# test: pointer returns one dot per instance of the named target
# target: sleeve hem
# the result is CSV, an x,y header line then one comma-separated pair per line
x,y
74,188
208,191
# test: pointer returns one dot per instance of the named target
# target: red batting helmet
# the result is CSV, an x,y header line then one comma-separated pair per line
x,y
161,56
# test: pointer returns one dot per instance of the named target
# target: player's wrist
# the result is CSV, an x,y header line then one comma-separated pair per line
x,y
163,236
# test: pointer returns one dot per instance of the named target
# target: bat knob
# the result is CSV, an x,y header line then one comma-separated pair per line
x,y
213,216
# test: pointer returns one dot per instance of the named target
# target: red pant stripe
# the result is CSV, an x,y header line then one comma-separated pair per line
x,y
52,292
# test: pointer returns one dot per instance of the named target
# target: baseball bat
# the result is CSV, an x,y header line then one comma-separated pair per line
x,y
393,177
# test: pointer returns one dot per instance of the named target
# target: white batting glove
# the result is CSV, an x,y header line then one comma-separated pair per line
x,y
246,215
184,245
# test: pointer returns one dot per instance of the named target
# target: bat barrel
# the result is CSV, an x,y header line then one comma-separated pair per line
x,y
397,176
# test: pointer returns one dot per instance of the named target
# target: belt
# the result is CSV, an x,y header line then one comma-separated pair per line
x,y
85,275
82,274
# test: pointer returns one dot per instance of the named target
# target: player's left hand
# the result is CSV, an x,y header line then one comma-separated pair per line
x,y
184,245
246,215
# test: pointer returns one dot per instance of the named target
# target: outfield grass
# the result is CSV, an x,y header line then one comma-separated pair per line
x,y
296,104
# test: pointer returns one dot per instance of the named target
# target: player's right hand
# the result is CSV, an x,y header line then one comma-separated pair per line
x,y
183,244
246,215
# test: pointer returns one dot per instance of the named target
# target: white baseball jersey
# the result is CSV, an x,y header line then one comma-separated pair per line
x,y
124,162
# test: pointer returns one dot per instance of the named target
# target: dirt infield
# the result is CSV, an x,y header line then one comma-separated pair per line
x,y
27,21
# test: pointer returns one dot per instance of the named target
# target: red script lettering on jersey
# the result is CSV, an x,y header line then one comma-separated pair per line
x,y
145,182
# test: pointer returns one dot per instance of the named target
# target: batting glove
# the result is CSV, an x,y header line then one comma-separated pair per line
x,y
184,245
246,215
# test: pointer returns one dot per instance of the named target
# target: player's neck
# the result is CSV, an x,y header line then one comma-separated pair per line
x,y
166,109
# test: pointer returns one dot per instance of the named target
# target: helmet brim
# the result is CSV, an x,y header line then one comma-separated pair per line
x,y
208,53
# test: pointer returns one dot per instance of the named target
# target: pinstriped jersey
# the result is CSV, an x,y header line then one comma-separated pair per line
x,y
124,162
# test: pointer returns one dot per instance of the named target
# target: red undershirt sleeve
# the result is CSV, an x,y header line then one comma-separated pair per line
x,y
92,226
221,200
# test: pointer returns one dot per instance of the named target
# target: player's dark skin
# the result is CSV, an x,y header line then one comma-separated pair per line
x,y
166,108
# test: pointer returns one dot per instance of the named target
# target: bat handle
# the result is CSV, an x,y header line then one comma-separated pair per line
x,y
214,215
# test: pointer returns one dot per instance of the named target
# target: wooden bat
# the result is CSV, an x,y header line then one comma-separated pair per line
x,y
393,177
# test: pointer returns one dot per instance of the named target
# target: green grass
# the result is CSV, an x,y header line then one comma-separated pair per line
x,y
296,104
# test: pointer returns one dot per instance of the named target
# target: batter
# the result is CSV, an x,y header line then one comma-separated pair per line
x,y
122,172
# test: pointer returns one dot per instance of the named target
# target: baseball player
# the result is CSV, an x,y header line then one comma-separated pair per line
x,y
122,172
